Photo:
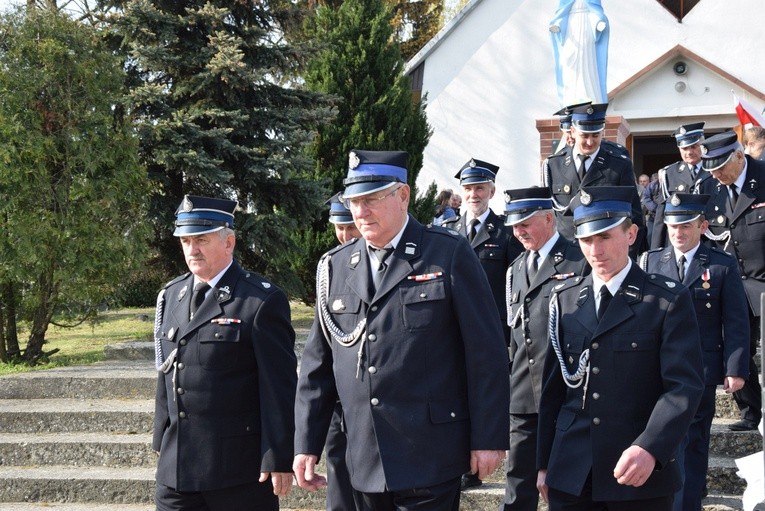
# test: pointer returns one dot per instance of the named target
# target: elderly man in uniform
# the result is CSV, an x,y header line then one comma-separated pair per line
x,y
624,376
492,242
340,494
224,416
736,214
718,295
684,176
403,339
589,163
549,259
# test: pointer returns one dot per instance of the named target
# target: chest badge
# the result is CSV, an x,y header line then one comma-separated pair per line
x,y
705,277
338,305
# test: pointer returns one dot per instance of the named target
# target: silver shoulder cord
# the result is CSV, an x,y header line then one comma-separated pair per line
x,y
328,326
557,206
582,374
719,237
520,314
663,183
160,364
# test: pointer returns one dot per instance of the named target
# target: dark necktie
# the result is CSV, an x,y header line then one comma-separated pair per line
x,y
582,167
473,228
382,256
533,265
733,196
197,297
605,300
694,172
681,268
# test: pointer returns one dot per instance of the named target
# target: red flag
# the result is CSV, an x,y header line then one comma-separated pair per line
x,y
747,114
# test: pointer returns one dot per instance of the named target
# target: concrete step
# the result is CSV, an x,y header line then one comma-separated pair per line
x,y
722,478
72,415
735,444
126,380
77,449
67,484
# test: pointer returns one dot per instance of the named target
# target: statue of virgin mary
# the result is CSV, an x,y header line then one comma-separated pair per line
x,y
579,32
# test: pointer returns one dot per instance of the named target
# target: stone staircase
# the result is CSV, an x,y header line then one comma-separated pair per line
x,y
78,438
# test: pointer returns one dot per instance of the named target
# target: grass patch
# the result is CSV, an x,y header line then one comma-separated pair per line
x,y
84,344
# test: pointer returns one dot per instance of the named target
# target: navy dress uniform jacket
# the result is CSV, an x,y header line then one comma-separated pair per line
x,y
496,248
528,310
432,369
674,178
747,228
230,414
722,326
644,387
608,169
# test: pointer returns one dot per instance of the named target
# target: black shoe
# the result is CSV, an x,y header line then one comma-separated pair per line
x,y
742,425
469,481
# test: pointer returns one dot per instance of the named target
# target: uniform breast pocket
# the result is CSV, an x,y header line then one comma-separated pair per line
x,y
344,309
756,217
572,345
707,301
219,346
420,304
491,254
633,353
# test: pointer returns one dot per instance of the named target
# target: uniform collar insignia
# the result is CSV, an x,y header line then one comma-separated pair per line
x,y
583,294
410,248
355,258
558,257
224,293
183,292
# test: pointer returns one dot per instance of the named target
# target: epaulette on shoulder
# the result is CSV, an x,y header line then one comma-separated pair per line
x,y
258,281
176,280
440,229
666,283
567,284
722,252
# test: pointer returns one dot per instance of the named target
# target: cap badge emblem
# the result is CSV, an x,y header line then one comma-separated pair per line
x,y
472,163
353,160
187,204
704,149
675,200
585,198
590,111
508,198
682,130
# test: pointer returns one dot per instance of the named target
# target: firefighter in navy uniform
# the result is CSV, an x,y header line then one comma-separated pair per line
x,y
224,415
549,259
404,339
589,163
567,138
623,376
492,242
718,295
684,176
340,494
736,215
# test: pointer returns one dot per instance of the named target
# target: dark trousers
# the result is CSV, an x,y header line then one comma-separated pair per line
x,y
521,484
340,494
749,398
693,455
562,501
255,495
441,497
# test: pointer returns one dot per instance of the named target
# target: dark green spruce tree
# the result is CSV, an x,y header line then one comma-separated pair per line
x,y
361,67
217,114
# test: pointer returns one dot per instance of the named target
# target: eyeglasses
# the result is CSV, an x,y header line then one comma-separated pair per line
x,y
367,202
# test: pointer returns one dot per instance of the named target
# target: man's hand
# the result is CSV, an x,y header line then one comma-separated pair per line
x,y
303,466
542,485
282,482
634,467
484,463
732,384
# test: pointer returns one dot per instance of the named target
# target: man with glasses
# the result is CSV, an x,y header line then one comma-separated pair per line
x,y
736,214
401,337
